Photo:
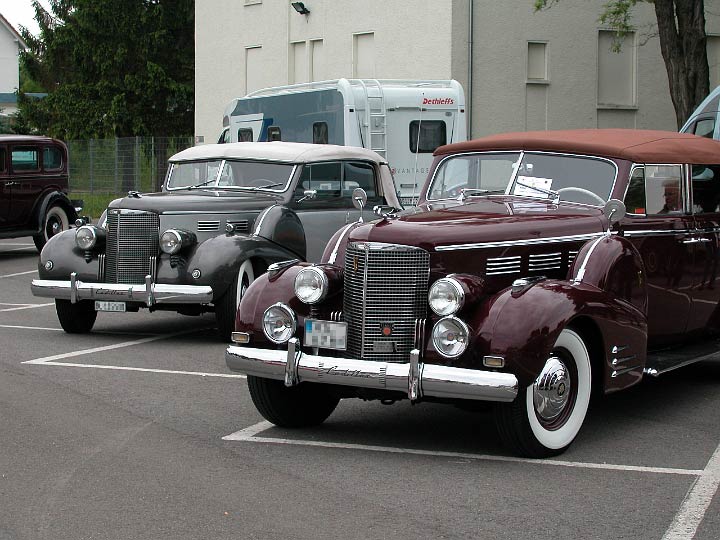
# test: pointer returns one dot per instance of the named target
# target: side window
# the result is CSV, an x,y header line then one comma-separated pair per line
x,y
427,135
246,135
320,133
274,133
3,154
25,159
704,127
635,196
663,189
324,178
52,158
361,175
706,188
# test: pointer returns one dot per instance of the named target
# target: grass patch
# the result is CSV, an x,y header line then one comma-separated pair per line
x,y
94,204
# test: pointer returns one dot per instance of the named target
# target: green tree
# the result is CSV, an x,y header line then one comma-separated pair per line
x,y
110,69
683,43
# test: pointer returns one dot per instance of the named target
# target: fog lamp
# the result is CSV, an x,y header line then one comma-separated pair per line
x,y
279,323
450,337
173,240
311,285
87,236
446,296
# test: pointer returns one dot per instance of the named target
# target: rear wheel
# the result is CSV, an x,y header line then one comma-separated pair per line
x,y
227,305
55,221
546,417
78,318
298,406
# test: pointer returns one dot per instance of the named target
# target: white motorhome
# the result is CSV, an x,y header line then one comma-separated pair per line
x,y
402,120
705,120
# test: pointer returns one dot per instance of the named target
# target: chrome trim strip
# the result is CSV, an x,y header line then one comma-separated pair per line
x,y
661,232
101,267
260,220
433,380
334,254
581,272
145,293
528,242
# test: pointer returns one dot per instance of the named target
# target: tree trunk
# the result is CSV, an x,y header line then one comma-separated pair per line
x,y
683,43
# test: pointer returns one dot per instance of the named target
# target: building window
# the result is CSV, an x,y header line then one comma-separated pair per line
x,y
364,55
317,60
320,133
537,62
298,63
713,53
616,70
426,136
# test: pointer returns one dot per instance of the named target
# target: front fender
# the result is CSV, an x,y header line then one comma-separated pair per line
x,y
523,328
53,197
66,258
282,226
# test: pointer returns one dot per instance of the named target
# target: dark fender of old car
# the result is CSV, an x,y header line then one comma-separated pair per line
x,y
537,269
226,213
34,176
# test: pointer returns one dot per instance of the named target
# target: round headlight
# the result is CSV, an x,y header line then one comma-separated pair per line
x,y
311,285
279,323
450,337
170,242
446,296
85,237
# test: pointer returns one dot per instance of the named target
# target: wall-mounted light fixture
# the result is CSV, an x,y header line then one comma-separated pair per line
x,y
300,8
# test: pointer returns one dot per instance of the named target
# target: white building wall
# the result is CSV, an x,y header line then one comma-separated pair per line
x,y
418,39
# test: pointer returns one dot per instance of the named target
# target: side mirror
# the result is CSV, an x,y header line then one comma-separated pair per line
x,y
308,194
614,210
359,198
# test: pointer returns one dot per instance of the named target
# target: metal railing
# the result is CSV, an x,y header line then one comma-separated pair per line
x,y
123,164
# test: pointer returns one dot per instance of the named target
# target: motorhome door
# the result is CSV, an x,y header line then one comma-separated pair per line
x,y
249,127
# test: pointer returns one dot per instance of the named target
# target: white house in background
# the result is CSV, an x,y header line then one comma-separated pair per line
x,y
520,70
10,45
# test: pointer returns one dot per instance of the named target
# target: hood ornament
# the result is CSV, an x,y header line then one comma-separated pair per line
x,y
134,194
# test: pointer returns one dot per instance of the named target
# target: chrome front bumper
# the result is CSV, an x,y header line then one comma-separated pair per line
x,y
414,378
148,293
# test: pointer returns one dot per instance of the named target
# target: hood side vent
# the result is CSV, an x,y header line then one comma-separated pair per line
x,y
544,262
503,265
208,226
239,225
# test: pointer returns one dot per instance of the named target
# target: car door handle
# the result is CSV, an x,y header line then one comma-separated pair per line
x,y
10,183
696,240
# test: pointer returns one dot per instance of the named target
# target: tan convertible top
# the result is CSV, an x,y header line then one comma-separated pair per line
x,y
639,146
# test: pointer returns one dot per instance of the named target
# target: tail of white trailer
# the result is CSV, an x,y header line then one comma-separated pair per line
x,y
402,120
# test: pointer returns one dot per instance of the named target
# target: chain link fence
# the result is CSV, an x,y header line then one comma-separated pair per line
x,y
116,166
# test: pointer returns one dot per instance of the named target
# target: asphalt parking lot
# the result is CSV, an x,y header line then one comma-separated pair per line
x,y
138,430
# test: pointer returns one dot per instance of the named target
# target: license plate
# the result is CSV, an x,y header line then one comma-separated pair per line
x,y
109,306
326,334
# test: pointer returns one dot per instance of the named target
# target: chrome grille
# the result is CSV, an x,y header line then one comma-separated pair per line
x,y
386,289
132,245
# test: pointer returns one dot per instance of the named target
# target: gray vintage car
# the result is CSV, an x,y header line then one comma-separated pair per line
x,y
225,214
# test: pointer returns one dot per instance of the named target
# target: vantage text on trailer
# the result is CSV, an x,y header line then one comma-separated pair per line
x,y
402,120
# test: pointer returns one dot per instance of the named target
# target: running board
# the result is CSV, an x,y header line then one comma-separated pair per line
x,y
663,361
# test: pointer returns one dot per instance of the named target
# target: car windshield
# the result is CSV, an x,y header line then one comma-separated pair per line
x,y
578,179
231,174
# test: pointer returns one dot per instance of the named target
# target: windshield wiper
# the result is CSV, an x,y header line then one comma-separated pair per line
x,y
255,188
469,192
201,184
554,195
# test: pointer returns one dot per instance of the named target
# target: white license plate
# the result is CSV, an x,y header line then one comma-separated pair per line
x,y
109,306
326,334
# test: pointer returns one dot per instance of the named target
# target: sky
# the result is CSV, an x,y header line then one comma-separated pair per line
x,y
20,13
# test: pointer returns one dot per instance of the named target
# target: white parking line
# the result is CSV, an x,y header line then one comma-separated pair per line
x,y
249,434
19,273
697,501
25,306
30,327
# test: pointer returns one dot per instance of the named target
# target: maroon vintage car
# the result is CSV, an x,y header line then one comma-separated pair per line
x,y
537,268
34,188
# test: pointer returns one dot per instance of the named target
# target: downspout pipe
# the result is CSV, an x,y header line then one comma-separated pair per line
x,y
469,94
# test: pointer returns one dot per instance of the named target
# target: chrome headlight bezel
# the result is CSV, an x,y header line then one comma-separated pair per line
x,y
316,280
86,237
173,240
279,312
450,291
461,339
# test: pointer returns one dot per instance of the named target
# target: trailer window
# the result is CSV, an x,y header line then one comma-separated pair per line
x,y
25,159
320,133
245,135
427,135
274,133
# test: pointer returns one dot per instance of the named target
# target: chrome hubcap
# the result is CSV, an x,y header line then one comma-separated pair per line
x,y
551,390
55,227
